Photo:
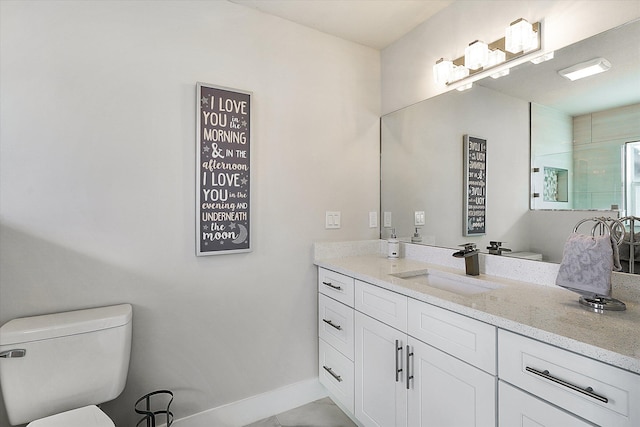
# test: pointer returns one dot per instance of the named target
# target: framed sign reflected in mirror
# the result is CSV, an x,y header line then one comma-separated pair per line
x,y
475,186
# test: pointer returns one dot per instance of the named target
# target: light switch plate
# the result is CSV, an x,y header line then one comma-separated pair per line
x,y
332,219
419,218
387,219
373,219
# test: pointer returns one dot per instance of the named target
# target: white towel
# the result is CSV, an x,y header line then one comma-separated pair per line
x,y
587,262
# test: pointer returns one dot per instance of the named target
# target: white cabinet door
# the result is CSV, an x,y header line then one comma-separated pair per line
x,y
520,409
445,391
380,389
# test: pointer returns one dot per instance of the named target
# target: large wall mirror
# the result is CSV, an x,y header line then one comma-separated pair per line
x,y
557,152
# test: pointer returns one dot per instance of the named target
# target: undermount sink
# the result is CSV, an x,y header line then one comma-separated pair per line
x,y
451,282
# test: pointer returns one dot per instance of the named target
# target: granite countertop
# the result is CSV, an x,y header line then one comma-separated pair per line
x,y
547,313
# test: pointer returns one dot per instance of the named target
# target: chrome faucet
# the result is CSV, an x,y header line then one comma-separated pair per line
x,y
496,248
470,255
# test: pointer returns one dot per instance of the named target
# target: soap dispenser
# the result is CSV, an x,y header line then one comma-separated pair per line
x,y
393,245
416,238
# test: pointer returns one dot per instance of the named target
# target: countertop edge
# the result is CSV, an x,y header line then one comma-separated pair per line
x,y
604,355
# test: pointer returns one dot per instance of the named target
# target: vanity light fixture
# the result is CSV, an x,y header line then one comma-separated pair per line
x,y
476,55
496,57
443,71
585,69
542,58
499,74
464,87
521,38
459,72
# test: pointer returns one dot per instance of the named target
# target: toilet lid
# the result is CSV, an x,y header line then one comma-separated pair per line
x,y
88,416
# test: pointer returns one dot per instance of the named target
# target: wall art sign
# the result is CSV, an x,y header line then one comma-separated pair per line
x,y
223,170
475,186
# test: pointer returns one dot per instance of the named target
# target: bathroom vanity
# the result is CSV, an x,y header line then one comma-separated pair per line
x,y
411,342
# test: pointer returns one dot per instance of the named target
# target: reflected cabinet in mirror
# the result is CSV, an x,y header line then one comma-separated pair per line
x,y
557,151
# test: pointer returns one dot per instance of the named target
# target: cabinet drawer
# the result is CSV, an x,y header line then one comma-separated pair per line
x,y
519,409
335,324
595,391
336,285
381,304
336,374
460,336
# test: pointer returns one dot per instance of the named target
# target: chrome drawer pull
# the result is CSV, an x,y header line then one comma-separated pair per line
x,y
16,352
409,377
337,377
398,369
329,284
588,391
328,322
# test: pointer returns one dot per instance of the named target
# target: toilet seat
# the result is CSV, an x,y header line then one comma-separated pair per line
x,y
87,416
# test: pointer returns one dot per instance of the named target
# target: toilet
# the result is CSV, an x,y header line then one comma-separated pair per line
x,y
55,368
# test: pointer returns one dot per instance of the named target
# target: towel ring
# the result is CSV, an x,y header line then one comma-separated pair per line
x,y
614,227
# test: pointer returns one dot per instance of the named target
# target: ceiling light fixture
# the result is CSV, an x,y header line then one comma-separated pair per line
x,y
585,69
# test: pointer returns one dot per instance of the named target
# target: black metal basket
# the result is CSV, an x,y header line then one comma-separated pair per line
x,y
144,406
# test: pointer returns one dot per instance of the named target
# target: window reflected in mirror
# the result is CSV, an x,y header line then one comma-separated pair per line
x,y
632,178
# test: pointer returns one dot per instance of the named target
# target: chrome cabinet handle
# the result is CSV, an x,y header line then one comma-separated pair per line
x,y
16,352
328,322
587,391
337,377
329,284
409,377
398,368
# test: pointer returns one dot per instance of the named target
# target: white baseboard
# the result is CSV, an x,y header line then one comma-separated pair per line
x,y
255,408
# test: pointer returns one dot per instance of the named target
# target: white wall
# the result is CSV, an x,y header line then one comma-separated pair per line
x,y
558,225
407,65
97,183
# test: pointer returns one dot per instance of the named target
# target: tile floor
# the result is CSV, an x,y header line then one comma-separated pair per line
x,y
321,413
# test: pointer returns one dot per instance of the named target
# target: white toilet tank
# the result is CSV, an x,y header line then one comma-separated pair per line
x,y
57,362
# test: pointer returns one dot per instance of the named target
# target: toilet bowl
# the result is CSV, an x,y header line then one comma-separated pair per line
x,y
55,368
